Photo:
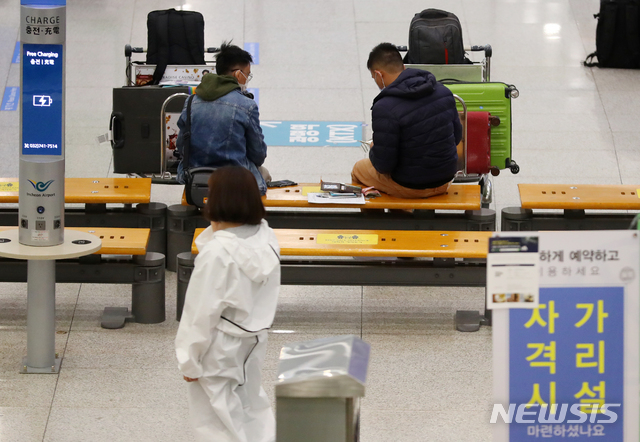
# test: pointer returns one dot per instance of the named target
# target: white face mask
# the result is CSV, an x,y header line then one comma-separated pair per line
x,y
243,87
381,79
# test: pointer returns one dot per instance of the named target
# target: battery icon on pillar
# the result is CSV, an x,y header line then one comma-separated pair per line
x,y
42,100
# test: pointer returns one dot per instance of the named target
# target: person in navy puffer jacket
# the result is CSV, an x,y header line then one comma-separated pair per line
x,y
416,129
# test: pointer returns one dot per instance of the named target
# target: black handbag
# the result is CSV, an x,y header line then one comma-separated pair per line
x,y
196,186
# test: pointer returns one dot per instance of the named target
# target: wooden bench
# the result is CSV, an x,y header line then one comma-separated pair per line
x,y
122,259
287,208
90,190
573,201
325,257
458,197
94,194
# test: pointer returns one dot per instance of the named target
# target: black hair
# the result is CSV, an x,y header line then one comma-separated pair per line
x,y
230,58
385,56
234,197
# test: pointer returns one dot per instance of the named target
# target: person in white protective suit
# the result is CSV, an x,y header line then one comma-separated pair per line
x,y
229,306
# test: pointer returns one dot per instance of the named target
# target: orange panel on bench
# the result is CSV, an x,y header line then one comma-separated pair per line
x,y
458,197
91,190
381,243
579,196
115,241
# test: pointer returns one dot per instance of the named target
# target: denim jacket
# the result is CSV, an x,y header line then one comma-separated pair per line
x,y
224,132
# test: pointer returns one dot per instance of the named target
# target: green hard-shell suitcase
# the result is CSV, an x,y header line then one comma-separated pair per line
x,y
494,98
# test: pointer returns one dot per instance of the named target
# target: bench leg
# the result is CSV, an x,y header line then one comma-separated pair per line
x,y
153,216
147,293
471,320
115,317
483,220
516,219
185,267
182,222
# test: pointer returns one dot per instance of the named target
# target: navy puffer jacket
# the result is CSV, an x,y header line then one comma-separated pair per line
x,y
416,129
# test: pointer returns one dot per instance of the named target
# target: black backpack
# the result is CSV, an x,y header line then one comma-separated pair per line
x,y
174,37
435,37
617,35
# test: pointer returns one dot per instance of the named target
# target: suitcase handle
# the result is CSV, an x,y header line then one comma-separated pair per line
x,y
116,126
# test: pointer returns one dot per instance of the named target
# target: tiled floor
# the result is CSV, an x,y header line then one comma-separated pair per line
x,y
426,381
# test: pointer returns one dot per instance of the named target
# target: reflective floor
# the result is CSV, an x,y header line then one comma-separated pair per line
x,y
571,124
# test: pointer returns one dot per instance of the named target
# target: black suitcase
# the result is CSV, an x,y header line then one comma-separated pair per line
x,y
136,127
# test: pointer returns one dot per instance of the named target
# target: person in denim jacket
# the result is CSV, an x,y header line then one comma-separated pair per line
x,y
225,124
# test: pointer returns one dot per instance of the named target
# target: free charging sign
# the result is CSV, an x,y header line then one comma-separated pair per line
x,y
42,99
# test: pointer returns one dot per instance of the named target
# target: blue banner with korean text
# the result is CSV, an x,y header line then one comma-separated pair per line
x,y
569,352
312,133
570,369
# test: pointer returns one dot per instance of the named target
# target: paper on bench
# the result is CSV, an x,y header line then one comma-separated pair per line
x,y
325,198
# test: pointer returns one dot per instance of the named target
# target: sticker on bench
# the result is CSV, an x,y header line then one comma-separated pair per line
x,y
9,187
337,238
306,190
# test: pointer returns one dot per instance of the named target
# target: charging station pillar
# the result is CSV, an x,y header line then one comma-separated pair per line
x,y
42,77
41,175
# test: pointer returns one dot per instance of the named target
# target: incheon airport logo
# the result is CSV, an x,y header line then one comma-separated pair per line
x,y
40,186
555,414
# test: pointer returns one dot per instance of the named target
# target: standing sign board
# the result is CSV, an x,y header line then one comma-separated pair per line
x,y
42,38
569,369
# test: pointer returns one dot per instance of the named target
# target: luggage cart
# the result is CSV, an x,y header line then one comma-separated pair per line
x,y
138,72
141,112
473,72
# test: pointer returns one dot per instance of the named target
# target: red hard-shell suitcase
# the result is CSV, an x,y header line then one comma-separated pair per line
x,y
479,143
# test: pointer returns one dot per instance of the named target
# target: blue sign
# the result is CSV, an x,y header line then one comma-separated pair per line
x,y
41,99
10,99
256,94
16,53
312,133
569,351
254,50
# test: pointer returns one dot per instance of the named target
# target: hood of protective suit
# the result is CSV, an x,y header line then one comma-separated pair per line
x,y
256,256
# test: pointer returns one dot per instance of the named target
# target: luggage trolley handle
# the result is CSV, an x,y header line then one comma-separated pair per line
x,y
128,50
163,134
464,131
488,52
